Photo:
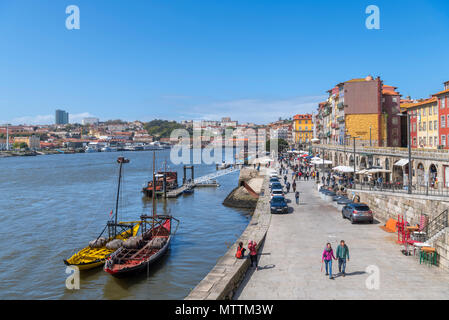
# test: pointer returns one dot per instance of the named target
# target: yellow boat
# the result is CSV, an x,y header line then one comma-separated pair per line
x,y
89,258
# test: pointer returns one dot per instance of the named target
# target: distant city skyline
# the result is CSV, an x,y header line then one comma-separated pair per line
x,y
175,60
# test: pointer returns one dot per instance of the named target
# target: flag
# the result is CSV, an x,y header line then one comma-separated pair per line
x,y
110,214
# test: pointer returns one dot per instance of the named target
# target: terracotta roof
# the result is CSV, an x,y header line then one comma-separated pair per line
x,y
441,92
302,116
390,93
418,104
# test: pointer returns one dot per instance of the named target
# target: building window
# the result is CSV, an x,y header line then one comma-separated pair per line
x,y
435,125
430,125
424,126
443,140
436,141
430,141
394,120
430,111
443,103
443,121
424,111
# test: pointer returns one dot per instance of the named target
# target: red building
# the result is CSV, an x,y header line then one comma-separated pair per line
x,y
443,115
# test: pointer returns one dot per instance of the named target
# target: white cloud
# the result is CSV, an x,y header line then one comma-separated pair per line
x,y
49,119
256,110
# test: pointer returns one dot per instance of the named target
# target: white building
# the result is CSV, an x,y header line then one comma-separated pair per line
x,y
90,121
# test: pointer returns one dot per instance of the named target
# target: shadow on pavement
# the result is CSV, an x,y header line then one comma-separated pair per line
x,y
355,273
268,266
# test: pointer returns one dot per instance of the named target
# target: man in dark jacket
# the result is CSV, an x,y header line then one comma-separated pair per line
x,y
342,254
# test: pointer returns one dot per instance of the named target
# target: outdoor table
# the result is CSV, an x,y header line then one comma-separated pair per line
x,y
412,228
419,245
428,255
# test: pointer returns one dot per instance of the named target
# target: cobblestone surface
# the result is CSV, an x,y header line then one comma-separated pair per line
x,y
290,259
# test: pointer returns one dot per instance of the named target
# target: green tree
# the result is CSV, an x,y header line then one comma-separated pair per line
x,y
163,128
282,144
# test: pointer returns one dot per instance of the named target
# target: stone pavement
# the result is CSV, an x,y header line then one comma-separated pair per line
x,y
290,258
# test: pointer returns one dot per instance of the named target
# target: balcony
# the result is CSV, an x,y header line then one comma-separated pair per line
x,y
341,119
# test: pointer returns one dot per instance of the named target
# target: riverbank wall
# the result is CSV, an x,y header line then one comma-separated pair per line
x,y
246,194
228,273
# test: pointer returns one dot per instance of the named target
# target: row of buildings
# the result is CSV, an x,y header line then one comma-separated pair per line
x,y
364,108
375,114
429,120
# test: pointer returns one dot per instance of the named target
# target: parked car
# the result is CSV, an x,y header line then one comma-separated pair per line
x,y
277,192
276,185
278,205
274,175
357,212
274,180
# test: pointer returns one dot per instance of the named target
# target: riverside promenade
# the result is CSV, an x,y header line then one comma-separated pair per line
x,y
290,258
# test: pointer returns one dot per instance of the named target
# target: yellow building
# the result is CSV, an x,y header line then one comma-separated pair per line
x,y
303,128
424,123
33,142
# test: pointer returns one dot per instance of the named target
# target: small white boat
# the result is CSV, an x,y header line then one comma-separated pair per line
x,y
90,150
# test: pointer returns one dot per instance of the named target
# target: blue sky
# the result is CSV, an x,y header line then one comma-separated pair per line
x,y
252,60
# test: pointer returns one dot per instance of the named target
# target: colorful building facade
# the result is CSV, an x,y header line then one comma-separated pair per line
x,y
303,128
364,109
424,129
443,115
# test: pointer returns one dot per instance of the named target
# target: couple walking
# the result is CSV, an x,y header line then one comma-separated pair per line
x,y
328,255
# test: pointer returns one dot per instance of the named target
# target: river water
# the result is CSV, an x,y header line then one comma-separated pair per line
x,y
52,206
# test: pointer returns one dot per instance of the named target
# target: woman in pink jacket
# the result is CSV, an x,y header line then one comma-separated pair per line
x,y
252,247
328,255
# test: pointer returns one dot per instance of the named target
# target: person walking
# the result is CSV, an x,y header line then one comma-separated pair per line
x,y
297,197
327,256
252,247
342,254
285,179
294,186
288,186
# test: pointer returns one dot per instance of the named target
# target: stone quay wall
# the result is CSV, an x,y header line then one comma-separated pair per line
x,y
386,205
228,273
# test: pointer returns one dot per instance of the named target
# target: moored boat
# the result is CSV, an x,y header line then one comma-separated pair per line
x,y
138,253
98,250
147,249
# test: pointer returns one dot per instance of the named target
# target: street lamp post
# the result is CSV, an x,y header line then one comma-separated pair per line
x,y
354,159
409,191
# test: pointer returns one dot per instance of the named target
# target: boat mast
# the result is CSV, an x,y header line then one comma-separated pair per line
x,y
154,188
121,161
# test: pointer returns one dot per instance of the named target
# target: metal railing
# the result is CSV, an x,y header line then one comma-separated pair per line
x,y
437,224
433,154
424,190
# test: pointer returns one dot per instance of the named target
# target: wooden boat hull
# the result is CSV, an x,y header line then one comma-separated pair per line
x,y
142,267
89,258
126,262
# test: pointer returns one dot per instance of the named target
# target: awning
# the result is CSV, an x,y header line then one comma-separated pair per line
x,y
401,162
321,162
343,169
